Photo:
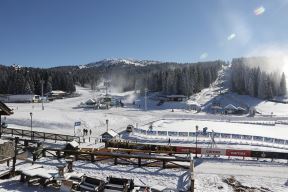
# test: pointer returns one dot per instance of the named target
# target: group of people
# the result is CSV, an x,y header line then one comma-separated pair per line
x,y
85,131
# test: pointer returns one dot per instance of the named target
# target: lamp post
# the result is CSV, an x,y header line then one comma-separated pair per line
x,y
107,121
145,99
31,124
42,99
196,139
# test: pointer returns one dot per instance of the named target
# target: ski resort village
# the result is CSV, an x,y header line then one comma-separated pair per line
x,y
143,96
97,138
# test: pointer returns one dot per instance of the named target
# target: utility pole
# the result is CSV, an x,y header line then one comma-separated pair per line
x,y
15,155
42,99
107,84
145,99
107,121
0,126
196,140
31,125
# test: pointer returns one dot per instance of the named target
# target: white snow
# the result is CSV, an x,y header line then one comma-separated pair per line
x,y
59,117
184,125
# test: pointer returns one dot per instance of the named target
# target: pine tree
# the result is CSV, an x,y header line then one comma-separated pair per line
x,y
27,89
262,86
48,88
283,88
251,89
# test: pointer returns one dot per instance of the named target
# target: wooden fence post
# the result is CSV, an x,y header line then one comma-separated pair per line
x,y
58,154
92,158
34,158
192,173
15,155
43,153
164,164
25,143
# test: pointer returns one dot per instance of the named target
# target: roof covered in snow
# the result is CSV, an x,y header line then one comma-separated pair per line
x,y
5,110
57,92
241,109
73,144
230,106
173,96
190,102
111,132
89,101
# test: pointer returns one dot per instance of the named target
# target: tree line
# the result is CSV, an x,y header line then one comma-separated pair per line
x,y
16,80
166,78
253,81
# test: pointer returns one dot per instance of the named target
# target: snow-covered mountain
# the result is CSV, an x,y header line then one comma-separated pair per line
x,y
16,66
110,62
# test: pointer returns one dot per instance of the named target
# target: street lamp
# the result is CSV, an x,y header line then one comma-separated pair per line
x,y
145,99
196,139
107,121
31,124
42,99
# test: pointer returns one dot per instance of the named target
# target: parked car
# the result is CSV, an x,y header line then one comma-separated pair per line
x,y
129,128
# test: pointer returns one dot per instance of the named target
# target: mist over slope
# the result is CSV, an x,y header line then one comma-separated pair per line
x,y
164,77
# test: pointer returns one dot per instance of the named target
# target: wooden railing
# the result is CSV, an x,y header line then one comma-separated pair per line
x,y
38,135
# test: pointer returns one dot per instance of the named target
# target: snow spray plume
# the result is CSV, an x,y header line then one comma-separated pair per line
x,y
273,59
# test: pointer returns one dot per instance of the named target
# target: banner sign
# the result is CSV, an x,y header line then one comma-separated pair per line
x,y
235,136
213,151
77,123
151,132
162,133
257,138
225,135
279,141
268,140
183,134
173,134
247,137
192,134
188,150
241,153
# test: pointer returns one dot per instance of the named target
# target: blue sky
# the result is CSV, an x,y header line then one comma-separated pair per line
x,y
72,32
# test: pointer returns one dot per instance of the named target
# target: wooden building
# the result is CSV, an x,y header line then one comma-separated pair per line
x,y
108,135
4,110
178,98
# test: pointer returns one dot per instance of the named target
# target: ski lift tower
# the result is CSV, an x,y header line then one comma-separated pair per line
x,y
107,85
145,98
